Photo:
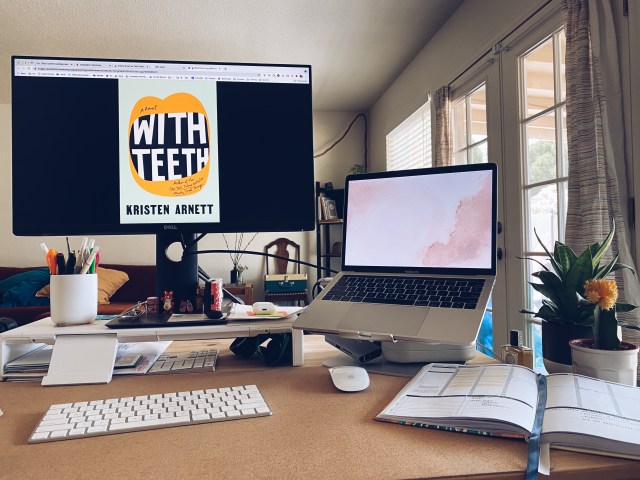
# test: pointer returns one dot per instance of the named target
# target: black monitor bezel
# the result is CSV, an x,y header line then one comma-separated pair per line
x,y
284,224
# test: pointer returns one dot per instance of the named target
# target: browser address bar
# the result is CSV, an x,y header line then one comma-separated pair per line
x,y
62,68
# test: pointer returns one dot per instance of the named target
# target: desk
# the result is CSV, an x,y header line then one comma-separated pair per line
x,y
315,432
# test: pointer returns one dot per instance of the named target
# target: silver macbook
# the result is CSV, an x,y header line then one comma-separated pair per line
x,y
418,258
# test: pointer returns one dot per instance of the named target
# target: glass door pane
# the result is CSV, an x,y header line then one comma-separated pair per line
x,y
543,129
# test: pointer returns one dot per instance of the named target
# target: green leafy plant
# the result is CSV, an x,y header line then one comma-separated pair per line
x,y
563,284
356,168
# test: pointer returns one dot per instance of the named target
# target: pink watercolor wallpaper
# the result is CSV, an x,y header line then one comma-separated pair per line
x,y
421,221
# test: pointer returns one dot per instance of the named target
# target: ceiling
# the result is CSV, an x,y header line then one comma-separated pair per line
x,y
355,47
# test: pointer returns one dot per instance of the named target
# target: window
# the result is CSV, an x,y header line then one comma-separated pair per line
x,y
409,144
470,142
542,95
469,121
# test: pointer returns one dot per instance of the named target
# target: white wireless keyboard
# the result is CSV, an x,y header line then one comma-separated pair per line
x,y
193,361
145,412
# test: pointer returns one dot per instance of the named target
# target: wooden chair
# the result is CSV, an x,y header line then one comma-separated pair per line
x,y
282,249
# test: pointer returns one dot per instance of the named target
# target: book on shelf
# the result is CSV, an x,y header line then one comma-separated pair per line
x,y
581,413
321,213
330,211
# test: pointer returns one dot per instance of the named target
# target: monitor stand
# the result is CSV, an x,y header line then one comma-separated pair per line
x,y
179,277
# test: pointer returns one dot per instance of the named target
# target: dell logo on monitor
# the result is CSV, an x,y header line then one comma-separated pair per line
x,y
170,227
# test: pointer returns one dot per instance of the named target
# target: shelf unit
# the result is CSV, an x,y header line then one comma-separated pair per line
x,y
324,229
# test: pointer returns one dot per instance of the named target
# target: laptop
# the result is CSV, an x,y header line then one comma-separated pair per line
x,y
418,257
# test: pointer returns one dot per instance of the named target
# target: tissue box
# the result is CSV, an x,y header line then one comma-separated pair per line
x,y
293,282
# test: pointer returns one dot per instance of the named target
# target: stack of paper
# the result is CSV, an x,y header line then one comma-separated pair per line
x,y
35,364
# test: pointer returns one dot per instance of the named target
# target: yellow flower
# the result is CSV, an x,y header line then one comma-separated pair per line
x,y
603,293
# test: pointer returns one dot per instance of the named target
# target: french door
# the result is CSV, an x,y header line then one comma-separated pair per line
x,y
509,109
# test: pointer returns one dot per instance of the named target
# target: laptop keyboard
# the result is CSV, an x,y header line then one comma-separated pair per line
x,y
417,291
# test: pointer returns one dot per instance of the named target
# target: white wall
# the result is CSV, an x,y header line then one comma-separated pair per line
x,y
470,32
140,249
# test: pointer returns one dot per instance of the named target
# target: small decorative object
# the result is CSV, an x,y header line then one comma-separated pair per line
x,y
235,276
241,269
515,352
565,313
605,356
153,305
167,301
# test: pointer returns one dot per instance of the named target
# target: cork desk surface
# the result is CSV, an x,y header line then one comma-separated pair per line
x,y
315,431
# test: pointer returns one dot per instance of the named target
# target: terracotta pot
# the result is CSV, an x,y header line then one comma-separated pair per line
x,y
556,352
620,366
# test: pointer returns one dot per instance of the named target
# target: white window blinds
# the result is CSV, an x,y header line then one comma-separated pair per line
x,y
409,144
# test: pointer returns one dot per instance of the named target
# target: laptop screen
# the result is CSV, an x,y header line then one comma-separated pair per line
x,y
433,220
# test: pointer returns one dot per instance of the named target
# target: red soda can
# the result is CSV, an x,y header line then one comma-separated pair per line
x,y
213,297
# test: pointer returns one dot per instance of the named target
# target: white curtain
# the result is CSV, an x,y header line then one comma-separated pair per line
x,y
442,143
598,169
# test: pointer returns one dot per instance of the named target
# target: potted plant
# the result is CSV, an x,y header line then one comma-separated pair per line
x,y
565,313
605,356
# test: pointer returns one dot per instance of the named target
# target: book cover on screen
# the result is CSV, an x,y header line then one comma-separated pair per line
x,y
168,152
581,413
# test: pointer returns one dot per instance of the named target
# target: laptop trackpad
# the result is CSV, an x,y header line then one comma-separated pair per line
x,y
376,318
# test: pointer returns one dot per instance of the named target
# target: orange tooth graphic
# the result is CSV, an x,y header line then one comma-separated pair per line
x,y
169,145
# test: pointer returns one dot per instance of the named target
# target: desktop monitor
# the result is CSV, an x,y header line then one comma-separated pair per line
x,y
175,149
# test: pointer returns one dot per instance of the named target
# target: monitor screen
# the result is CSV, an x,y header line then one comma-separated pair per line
x,y
135,146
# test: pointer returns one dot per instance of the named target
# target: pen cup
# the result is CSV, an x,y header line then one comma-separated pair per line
x,y
74,299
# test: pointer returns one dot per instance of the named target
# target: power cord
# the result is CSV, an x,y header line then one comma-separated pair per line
x,y
261,254
328,149
320,285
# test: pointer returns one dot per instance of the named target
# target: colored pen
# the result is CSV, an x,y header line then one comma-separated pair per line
x,y
60,264
96,263
89,261
71,263
51,261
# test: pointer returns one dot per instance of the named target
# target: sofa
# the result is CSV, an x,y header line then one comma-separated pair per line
x,y
22,304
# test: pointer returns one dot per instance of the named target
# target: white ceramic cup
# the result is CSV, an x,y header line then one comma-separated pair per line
x,y
74,299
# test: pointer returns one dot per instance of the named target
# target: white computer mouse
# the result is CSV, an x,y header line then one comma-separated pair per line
x,y
349,379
